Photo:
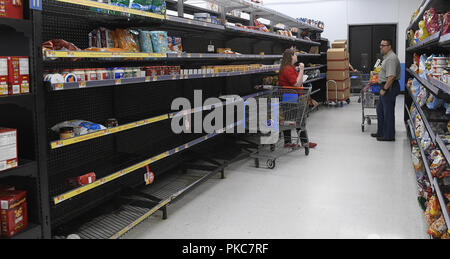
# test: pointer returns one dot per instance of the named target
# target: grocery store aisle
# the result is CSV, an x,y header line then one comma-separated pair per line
x,y
351,186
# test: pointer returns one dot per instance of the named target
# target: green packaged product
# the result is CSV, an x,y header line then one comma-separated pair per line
x,y
159,6
144,5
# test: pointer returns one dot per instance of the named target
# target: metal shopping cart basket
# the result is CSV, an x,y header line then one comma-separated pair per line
x,y
369,100
291,116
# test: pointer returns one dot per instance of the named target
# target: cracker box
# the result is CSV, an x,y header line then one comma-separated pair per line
x,y
11,9
8,148
4,76
13,212
14,75
24,73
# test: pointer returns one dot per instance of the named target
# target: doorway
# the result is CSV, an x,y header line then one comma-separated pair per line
x,y
364,44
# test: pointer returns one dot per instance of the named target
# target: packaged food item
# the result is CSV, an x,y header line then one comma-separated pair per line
x,y
431,20
438,228
177,44
8,148
80,127
80,75
423,33
443,174
91,74
438,162
415,155
66,133
14,79
425,141
145,42
94,39
128,72
118,73
59,44
13,212
125,40
159,41
79,181
106,38
3,76
159,6
111,123
445,24
422,96
433,210
434,103
24,73
419,126
11,9
54,79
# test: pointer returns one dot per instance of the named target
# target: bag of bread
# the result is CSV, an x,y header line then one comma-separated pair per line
x,y
124,39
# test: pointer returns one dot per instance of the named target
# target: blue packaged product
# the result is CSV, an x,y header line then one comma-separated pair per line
x,y
145,41
159,41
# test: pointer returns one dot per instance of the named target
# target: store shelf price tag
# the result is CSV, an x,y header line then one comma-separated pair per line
x,y
118,81
148,79
82,85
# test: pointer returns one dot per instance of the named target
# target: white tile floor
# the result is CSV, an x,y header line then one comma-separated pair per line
x,y
351,186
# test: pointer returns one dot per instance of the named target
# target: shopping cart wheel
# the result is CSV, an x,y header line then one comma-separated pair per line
x,y
307,151
256,162
271,164
348,101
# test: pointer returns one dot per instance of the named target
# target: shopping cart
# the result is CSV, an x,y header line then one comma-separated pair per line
x,y
358,81
369,100
293,106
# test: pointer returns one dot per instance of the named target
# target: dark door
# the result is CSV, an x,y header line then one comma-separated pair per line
x,y
364,44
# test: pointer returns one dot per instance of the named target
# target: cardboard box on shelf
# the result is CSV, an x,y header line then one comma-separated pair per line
x,y
339,95
8,149
338,74
337,54
340,84
3,76
338,65
339,44
24,70
13,212
14,75
11,9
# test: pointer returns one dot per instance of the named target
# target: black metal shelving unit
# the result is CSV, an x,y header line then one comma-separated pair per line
x,y
433,120
120,198
19,112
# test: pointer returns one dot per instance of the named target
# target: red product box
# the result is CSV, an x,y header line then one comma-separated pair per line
x,y
4,76
11,9
75,182
14,75
13,212
8,148
24,72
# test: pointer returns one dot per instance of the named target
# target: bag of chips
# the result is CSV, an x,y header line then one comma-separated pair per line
x,y
431,20
434,103
438,228
445,24
433,210
159,41
145,41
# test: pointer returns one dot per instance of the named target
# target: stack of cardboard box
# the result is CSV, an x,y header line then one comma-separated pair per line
x,y
338,71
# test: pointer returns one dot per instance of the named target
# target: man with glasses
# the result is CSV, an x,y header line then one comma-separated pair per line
x,y
390,87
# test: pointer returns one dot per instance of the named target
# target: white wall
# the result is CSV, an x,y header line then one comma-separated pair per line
x,y
338,14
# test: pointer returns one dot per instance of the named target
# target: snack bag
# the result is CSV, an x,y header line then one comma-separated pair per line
x,y
431,20
438,228
438,162
145,41
417,160
422,96
143,5
159,41
124,39
446,24
434,103
159,6
80,127
423,33
432,210
419,126
177,44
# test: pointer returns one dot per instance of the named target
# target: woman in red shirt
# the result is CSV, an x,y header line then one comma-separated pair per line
x,y
290,77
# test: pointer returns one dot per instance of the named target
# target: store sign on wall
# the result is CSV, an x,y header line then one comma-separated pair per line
x,y
36,4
